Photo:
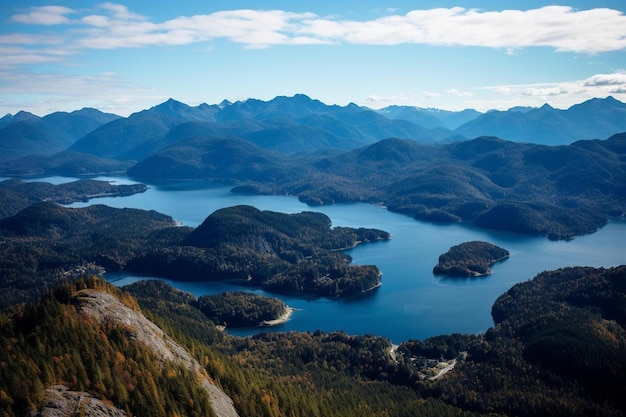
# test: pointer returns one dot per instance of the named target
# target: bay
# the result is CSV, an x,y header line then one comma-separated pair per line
x,y
412,303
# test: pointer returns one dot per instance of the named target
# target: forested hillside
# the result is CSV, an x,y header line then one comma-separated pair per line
x,y
287,253
45,244
559,192
18,195
58,341
297,253
240,309
557,349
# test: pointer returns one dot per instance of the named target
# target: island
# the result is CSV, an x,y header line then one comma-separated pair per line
x,y
297,253
243,309
470,259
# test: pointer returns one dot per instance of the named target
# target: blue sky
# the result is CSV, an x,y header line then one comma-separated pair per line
x,y
126,56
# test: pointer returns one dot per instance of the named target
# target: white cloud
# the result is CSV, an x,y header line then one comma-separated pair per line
x,y
603,80
121,12
559,27
45,15
377,101
564,94
459,93
44,93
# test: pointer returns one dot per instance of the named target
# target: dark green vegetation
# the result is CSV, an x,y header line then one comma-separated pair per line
x,y
470,259
46,243
572,321
240,309
288,253
297,253
16,195
558,349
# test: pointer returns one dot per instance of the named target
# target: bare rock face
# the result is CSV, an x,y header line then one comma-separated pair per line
x,y
105,307
61,402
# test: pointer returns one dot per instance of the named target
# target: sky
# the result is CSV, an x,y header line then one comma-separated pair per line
x,y
125,56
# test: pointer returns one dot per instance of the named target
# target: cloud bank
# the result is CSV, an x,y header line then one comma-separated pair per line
x,y
112,26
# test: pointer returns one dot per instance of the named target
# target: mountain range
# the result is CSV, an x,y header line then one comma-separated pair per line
x,y
593,119
295,124
26,134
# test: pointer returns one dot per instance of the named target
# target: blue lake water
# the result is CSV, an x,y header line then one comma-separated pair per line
x,y
412,303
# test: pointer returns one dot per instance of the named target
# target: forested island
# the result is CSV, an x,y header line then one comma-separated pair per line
x,y
290,253
242,309
471,259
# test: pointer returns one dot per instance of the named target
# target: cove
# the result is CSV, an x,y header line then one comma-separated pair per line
x,y
412,303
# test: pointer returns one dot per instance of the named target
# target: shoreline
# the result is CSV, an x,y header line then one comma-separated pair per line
x,y
283,318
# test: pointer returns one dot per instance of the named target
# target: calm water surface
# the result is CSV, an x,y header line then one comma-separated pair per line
x,y
412,303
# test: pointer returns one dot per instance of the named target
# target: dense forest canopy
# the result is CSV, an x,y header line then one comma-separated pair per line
x,y
299,253
288,253
240,309
17,195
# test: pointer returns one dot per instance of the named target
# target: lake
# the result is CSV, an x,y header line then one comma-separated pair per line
x,y
412,303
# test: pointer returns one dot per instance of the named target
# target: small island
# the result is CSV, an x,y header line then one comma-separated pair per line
x,y
470,259
243,309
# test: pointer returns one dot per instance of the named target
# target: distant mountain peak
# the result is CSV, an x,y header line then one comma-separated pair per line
x,y
546,106
302,97
170,104
608,98
6,120
22,115
185,112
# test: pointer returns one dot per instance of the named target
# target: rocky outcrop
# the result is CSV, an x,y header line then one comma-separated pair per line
x,y
59,401
105,307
